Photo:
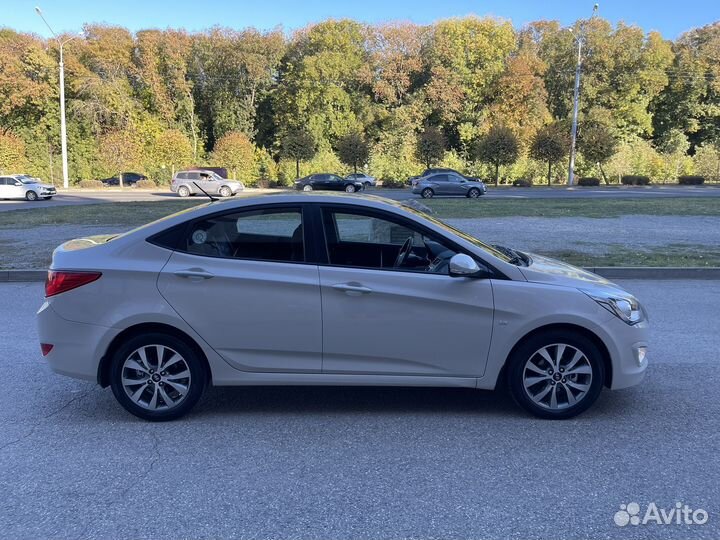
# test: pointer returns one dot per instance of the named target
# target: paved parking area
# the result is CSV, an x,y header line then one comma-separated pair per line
x,y
363,462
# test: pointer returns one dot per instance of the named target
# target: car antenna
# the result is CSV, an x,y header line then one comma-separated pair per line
x,y
212,199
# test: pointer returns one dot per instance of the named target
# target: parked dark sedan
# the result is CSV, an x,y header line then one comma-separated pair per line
x,y
330,182
129,179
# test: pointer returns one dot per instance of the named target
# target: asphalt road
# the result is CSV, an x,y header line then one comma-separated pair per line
x,y
363,462
540,192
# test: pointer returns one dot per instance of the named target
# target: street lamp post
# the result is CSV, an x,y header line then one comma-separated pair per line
x,y
576,104
63,131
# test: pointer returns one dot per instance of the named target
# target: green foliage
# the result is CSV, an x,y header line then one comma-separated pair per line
x,y
120,152
90,184
298,145
691,180
707,162
597,145
12,153
550,145
499,146
236,153
353,150
431,145
635,180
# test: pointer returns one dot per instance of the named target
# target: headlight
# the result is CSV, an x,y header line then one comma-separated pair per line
x,y
625,307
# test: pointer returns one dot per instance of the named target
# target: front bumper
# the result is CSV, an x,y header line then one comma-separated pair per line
x,y
628,347
76,346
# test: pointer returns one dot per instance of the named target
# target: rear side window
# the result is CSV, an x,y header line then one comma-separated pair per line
x,y
181,176
270,234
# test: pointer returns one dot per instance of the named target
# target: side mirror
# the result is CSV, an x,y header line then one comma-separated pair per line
x,y
17,183
462,265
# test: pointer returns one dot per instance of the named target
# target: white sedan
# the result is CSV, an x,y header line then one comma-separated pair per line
x,y
318,289
23,186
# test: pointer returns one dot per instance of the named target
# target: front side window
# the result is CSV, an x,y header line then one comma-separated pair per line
x,y
271,234
357,239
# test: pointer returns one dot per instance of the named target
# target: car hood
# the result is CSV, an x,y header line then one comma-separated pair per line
x,y
554,272
40,184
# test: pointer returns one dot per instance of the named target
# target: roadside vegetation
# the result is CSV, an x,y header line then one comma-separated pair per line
x,y
474,94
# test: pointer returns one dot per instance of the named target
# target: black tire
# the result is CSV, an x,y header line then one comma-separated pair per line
x,y
183,191
528,349
225,191
350,188
474,193
30,195
427,193
198,376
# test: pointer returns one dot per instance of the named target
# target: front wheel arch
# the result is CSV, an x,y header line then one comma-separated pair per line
x,y
599,343
103,374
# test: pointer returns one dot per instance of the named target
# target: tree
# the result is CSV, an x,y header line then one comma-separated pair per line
x,y
550,145
172,149
120,152
353,150
12,153
597,144
431,144
499,147
298,145
235,151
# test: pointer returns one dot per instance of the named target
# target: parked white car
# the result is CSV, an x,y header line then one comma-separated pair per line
x,y
320,289
23,186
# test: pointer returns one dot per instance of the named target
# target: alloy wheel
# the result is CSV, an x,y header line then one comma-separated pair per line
x,y
156,377
557,376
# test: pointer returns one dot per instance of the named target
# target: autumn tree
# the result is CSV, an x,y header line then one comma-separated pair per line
x,y
498,147
120,152
236,152
171,150
12,153
298,145
550,145
597,145
353,150
431,145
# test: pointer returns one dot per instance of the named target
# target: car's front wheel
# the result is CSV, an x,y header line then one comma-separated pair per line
x,y
474,193
30,195
350,188
157,376
183,191
556,374
427,193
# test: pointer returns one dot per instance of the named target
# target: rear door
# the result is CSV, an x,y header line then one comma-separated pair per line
x,y
240,280
379,319
440,182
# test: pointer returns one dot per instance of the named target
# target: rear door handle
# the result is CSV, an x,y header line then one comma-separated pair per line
x,y
352,289
195,274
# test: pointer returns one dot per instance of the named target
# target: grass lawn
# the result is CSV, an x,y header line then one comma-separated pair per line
x,y
671,255
557,208
132,214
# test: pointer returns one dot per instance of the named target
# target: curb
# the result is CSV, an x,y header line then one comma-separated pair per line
x,y
609,272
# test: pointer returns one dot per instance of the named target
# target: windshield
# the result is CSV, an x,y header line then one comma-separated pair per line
x,y
482,245
28,180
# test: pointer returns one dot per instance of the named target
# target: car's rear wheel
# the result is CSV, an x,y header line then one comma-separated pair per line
x,y
30,195
225,191
307,187
183,191
556,374
427,193
350,188
473,193
157,376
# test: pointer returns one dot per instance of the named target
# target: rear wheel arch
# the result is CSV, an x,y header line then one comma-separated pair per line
x,y
567,327
103,375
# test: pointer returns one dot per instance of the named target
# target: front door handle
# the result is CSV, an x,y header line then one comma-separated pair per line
x,y
352,289
195,274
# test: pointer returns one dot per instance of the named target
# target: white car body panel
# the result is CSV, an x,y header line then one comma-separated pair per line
x,y
284,324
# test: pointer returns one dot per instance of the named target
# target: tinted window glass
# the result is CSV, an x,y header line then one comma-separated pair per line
x,y
369,241
439,178
181,176
268,234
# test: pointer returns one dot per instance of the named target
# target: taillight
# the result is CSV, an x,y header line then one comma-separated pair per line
x,y
45,348
59,281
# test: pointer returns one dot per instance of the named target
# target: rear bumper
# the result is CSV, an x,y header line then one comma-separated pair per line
x,y
76,346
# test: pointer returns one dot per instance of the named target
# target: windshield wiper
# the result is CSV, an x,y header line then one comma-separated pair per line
x,y
212,199
515,257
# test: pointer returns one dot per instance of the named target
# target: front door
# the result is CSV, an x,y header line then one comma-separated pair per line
x,y
240,281
412,319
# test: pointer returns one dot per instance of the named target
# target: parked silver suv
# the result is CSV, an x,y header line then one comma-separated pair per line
x,y
23,186
185,183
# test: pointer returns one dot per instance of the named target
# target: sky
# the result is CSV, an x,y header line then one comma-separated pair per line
x,y
670,17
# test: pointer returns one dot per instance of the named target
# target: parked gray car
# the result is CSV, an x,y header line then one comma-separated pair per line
x,y
23,186
367,181
185,183
449,184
